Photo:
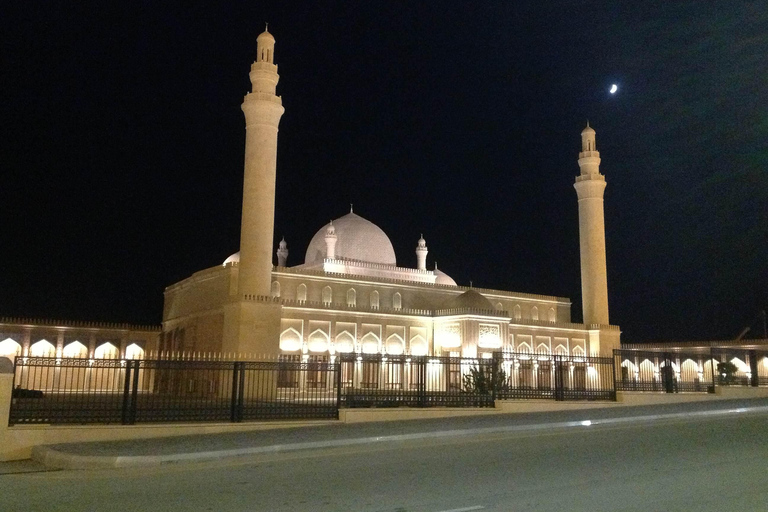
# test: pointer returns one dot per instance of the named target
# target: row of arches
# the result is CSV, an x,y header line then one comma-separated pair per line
x,y
517,313
327,296
44,348
560,350
345,342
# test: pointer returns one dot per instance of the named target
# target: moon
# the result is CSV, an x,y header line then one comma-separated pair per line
x,y
614,88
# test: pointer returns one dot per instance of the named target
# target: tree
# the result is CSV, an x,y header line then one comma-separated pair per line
x,y
727,372
480,380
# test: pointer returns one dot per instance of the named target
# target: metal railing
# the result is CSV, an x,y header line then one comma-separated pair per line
x,y
70,390
57,390
689,371
373,380
558,377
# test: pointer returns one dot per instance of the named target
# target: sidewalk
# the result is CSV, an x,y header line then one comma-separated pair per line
x,y
152,452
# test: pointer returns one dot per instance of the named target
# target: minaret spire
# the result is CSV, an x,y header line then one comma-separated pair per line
x,y
421,254
330,242
282,253
590,187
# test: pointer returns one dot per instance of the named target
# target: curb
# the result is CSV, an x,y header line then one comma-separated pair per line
x,y
53,458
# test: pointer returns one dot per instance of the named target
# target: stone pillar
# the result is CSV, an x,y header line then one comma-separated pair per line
x,y
6,396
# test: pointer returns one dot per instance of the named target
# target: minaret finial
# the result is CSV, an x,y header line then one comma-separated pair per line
x,y
266,26
351,208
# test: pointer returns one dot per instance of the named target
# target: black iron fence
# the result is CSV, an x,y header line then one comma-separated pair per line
x,y
374,380
80,391
558,377
69,390
689,370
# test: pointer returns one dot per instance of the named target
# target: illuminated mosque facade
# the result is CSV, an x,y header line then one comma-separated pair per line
x,y
350,295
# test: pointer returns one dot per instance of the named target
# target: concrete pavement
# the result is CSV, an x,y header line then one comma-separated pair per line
x,y
698,461
153,452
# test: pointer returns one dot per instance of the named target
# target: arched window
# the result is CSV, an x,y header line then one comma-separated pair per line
x,y
535,313
301,292
395,345
345,342
327,295
552,316
106,351
9,347
290,340
134,351
518,312
370,344
42,348
351,297
375,299
275,290
419,346
397,301
75,349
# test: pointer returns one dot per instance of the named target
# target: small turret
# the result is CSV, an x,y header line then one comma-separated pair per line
x,y
589,157
282,253
421,254
330,242
265,45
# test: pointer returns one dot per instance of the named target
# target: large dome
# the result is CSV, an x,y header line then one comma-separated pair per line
x,y
356,239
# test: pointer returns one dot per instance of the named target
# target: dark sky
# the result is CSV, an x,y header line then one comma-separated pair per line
x,y
122,147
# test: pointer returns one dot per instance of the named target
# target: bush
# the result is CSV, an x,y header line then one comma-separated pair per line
x,y
727,372
480,380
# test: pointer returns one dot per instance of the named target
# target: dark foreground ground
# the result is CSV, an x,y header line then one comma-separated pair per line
x,y
696,463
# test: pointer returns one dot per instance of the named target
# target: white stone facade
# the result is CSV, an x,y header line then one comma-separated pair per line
x,y
350,295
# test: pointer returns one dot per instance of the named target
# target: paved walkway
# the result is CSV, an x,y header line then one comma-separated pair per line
x,y
149,452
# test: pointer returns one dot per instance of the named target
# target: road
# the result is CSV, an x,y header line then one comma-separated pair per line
x,y
698,464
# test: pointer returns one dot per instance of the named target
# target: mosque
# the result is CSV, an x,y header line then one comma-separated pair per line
x,y
350,295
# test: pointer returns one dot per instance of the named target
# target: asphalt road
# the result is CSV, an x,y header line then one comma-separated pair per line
x,y
697,464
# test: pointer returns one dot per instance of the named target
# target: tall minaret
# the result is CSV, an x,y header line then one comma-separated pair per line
x,y
421,254
590,186
282,253
263,110
330,242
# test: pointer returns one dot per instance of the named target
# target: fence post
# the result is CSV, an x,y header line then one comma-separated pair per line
x,y
558,395
125,418
667,373
616,356
714,370
338,384
495,376
134,393
241,389
754,379
233,413
421,364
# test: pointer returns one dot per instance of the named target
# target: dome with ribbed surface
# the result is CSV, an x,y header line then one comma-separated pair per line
x,y
443,278
470,299
356,239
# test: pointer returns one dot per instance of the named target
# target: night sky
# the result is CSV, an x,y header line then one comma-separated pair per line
x,y
122,147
